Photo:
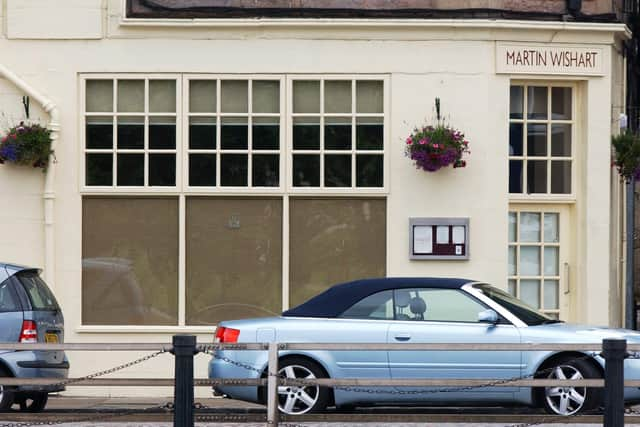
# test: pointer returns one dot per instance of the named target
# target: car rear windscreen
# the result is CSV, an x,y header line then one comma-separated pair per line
x,y
39,294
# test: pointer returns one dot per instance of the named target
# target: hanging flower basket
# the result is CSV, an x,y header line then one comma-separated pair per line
x,y
627,155
435,147
28,145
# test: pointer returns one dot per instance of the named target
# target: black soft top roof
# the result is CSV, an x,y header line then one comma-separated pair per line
x,y
335,300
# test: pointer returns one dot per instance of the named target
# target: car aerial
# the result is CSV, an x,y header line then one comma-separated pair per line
x,y
417,310
29,313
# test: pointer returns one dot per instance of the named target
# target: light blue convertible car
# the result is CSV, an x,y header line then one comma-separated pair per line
x,y
417,310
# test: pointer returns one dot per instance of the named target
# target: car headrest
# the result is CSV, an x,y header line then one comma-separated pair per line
x,y
417,305
402,298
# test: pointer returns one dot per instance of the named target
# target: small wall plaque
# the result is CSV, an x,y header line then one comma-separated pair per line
x,y
439,238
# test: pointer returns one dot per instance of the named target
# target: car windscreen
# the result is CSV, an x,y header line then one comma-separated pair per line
x,y
521,310
39,294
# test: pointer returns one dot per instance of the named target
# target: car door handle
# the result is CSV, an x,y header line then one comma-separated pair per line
x,y
402,337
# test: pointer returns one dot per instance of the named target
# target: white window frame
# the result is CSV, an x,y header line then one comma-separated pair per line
x,y
574,122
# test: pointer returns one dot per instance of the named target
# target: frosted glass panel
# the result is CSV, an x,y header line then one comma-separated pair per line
x,y
513,266
551,233
529,261
513,226
306,96
529,227
551,294
202,96
266,96
530,292
131,96
162,96
369,96
551,261
337,96
234,97
99,96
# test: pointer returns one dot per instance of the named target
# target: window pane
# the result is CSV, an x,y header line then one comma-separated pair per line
x,y
337,133
551,295
266,96
515,176
234,133
337,96
99,132
202,96
445,305
513,265
337,170
369,96
513,226
561,140
369,133
202,170
529,227
232,245
530,292
551,260
369,170
266,133
516,101
306,133
202,133
162,170
162,96
130,96
130,132
99,169
306,96
536,102
348,242
233,170
265,170
561,103
99,96
129,261
529,260
536,140
162,133
234,97
306,170
515,139
131,169
537,176
376,306
8,301
511,287
561,177
551,231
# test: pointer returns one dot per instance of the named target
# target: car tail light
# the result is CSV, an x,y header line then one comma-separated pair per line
x,y
29,332
224,334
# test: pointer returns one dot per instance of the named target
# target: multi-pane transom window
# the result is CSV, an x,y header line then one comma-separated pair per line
x,y
534,259
234,133
131,132
541,142
337,133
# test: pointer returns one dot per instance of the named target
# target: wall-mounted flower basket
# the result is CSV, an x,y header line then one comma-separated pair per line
x,y
28,145
435,147
627,155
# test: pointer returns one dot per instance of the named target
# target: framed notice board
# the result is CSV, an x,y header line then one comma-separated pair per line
x,y
439,238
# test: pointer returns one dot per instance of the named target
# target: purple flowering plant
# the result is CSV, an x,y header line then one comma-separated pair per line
x,y
435,147
26,145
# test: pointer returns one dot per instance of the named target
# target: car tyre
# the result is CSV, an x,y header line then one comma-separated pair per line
x,y
6,394
34,402
570,400
293,400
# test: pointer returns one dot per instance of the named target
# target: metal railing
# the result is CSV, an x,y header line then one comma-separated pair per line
x,y
184,348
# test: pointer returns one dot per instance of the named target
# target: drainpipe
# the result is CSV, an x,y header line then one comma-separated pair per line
x,y
630,303
49,183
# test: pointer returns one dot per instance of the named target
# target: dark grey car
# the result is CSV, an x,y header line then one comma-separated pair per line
x,y
29,313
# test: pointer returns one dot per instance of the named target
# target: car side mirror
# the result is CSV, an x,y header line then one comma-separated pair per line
x,y
488,316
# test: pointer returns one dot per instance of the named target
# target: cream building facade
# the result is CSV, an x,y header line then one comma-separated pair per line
x,y
207,169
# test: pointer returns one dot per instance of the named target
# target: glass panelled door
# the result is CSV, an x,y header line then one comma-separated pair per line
x,y
538,258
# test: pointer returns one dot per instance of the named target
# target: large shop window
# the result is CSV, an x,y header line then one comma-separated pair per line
x,y
541,142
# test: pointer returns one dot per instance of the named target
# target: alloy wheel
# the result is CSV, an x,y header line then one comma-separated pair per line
x,y
294,400
565,400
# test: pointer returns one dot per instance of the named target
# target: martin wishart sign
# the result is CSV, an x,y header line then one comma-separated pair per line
x,y
549,59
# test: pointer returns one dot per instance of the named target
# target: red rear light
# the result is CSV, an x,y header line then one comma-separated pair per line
x,y
224,334
29,332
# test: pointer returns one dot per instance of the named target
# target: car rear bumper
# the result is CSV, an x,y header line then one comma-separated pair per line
x,y
225,370
37,364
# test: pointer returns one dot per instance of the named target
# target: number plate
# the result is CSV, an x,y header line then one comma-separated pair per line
x,y
51,338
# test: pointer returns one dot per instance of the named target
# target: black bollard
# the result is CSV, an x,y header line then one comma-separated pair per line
x,y
614,352
184,348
